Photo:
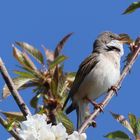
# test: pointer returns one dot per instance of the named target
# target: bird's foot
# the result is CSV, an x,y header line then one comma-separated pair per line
x,y
99,105
96,106
115,89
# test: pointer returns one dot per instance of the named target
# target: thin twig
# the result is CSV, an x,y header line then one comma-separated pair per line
x,y
111,93
12,132
24,109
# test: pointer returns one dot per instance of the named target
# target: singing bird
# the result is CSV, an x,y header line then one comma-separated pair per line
x,y
97,73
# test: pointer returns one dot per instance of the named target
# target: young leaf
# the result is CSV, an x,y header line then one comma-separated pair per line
x,y
53,88
32,51
61,45
70,77
121,119
18,82
126,37
11,125
34,100
61,117
57,61
29,62
19,56
62,90
49,55
28,85
14,115
132,7
138,126
24,74
117,135
62,87
133,121
23,59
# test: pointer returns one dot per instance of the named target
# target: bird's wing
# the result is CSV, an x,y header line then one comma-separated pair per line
x,y
86,66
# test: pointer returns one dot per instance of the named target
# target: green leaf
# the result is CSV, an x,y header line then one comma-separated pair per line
x,y
23,59
71,76
126,37
34,100
62,87
132,7
61,45
28,85
13,116
133,121
57,61
11,125
24,74
18,82
61,117
138,126
19,56
62,90
53,88
29,62
117,135
32,51
121,119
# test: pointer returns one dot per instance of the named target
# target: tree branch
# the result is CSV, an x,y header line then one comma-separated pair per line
x,y
24,109
111,93
12,132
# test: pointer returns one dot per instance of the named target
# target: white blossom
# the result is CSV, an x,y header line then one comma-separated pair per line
x,y
76,136
59,131
36,128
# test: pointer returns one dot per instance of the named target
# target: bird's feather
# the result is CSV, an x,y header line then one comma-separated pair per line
x,y
86,66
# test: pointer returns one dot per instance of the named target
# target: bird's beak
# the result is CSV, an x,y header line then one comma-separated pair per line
x,y
125,39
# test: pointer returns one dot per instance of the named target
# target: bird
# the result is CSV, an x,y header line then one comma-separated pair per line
x,y
96,74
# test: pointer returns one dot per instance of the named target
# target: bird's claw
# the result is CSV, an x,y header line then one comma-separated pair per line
x,y
115,89
96,106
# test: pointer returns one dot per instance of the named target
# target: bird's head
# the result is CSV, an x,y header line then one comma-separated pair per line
x,y
108,41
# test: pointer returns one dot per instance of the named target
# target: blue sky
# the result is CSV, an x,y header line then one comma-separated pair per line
x,y
46,22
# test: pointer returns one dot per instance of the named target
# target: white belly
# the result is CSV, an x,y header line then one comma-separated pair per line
x,y
100,79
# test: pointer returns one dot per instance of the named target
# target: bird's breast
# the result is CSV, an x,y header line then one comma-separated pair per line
x,y
104,75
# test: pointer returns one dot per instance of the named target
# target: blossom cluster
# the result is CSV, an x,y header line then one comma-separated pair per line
x,y
36,128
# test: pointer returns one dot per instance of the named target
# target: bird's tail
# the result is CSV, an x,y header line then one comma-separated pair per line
x,y
82,111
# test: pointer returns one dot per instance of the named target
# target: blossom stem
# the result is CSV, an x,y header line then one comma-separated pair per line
x,y
23,107
12,132
111,92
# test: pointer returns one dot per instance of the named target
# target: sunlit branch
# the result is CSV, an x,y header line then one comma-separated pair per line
x,y
12,132
24,109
